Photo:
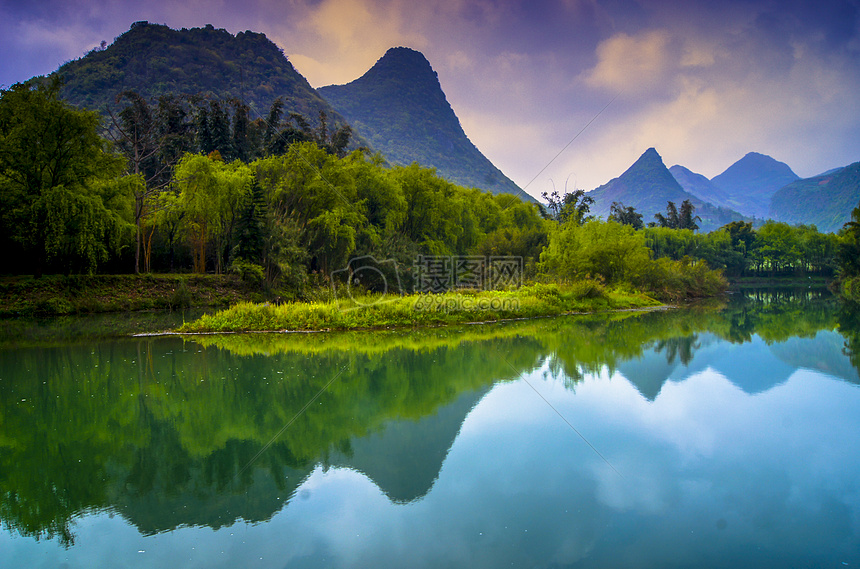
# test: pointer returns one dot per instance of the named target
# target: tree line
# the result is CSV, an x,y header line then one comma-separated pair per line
x,y
193,184
773,249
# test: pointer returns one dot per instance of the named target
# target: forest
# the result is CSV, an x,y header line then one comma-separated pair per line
x,y
192,184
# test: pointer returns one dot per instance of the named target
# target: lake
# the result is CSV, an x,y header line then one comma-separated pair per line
x,y
718,435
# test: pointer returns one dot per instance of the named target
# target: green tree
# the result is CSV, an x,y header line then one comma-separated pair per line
x,y
572,206
687,217
56,178
211,196
849,246
626,215
669,220
608,250
136,132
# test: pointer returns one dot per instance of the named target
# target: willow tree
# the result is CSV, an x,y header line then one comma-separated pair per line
x,y
210,196
59,187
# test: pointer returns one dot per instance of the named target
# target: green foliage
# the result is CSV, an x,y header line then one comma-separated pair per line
x,y
210,194
606,250
775,249
669,279
685,219
368,310
849,247
617,254
626,215
248,272
58,186
573,206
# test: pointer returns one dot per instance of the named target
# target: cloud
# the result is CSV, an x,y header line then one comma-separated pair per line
x,y
632,64
341,39
703,82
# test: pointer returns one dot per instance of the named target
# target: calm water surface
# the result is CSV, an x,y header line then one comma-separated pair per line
x,y
718,436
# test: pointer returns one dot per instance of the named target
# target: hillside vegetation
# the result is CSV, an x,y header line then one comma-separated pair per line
x,y
400,107
155,60
825,201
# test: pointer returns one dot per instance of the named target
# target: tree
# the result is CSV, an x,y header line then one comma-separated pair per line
x,y
687,218
135,132
58,184
211,197
625,215
573,206
849,246
609,250
669,220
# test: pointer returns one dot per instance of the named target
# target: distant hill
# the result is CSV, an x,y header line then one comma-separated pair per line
x,y
154,60
698,185
750,182
400,108
647,186
825,201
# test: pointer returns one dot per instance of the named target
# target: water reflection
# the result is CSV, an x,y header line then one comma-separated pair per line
x,y
721,421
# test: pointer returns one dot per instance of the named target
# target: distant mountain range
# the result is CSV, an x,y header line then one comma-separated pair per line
x,y
755,188
400,107
647,186
749,183
825,200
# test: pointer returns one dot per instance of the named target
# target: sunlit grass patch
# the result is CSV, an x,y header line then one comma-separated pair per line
x,y
382,311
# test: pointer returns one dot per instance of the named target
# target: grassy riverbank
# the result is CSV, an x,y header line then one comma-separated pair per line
x,y
377,311
81,294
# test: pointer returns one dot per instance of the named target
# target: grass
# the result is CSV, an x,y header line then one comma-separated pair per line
x,y
81,294
381,311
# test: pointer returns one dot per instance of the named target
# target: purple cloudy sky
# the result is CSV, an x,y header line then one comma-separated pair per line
x,y
703,82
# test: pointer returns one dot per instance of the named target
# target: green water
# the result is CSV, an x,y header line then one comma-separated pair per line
x,y
714,436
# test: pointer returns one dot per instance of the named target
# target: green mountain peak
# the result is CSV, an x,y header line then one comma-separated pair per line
x,y
400,108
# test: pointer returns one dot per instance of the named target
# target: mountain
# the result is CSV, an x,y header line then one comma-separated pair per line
x,y
825,200
699,186
750,182
154,60
647,186
399,106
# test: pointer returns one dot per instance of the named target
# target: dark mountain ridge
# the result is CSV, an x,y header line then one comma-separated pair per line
x,y
399,106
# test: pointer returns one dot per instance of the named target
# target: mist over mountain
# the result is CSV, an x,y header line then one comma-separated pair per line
x,y
399,106
749,183
647,186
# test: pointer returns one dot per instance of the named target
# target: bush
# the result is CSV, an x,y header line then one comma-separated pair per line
x,y
181,297
250,273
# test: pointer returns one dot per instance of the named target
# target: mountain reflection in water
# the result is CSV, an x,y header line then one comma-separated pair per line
x,y
203,432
